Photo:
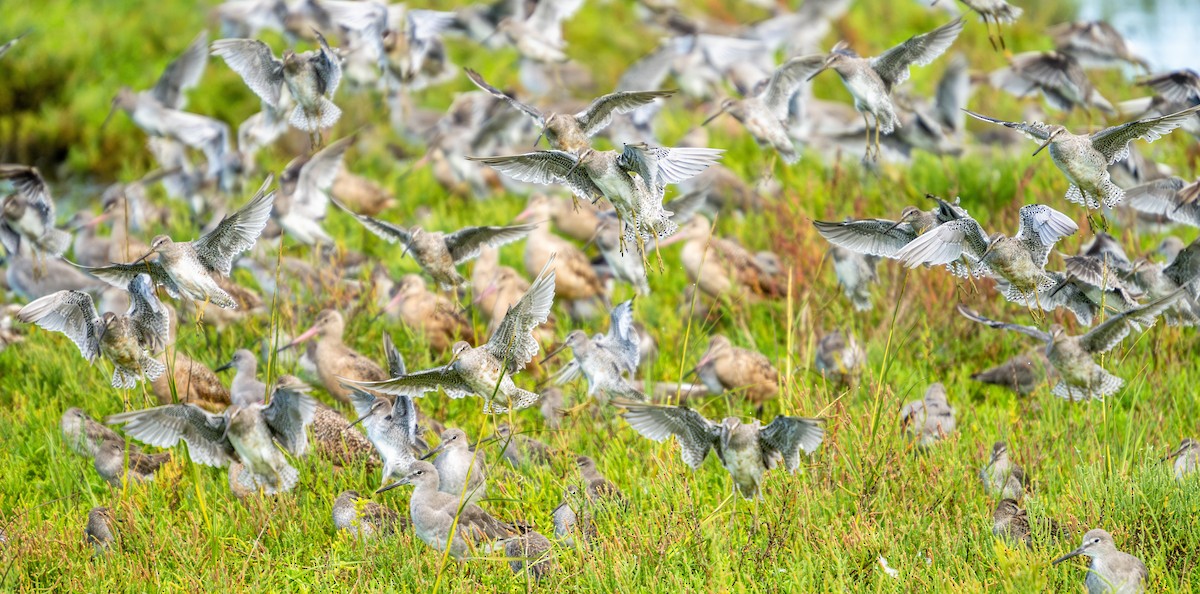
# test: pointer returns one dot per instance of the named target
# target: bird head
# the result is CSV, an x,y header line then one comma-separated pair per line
x,y
1095,541
837,56
1055,132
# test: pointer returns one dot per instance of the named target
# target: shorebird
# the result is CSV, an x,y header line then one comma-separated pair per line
x,y
575,277
1187,457
929,419
1002,476
1096,44
746,450
573,518
334,360
1085,158
531,553
724,367
250,435
608,362
551,407
721,266
31,277
871,80
443,522
438,254
189,381
125,340
485,371
391,426
1172,198
855,274
496,287
1154,280
1111,571
999,11
1059,78
1010,522
434,316
28,215
839,357
1072,356
185,268
100,530
573,132
363,518
83,434
245,389
460,467
1174,91
764,110
1019,260
1022,373
521,450
311,77
304,187
596,487
883,237
539,37
110,463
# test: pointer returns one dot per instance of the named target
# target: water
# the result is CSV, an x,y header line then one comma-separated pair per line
x,y
1165,32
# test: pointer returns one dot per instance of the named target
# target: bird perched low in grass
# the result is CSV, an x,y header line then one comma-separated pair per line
x,y
1187,457
596,487
746,450
724,367
930,419
531,552
485,371
100,531
436,317
335,361
1001,476
1111,571
461,470
573,519
83,434
839,357
364,518
1010,522
127,341
110,463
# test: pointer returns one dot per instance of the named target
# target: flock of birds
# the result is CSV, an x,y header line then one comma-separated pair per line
x,y
617,202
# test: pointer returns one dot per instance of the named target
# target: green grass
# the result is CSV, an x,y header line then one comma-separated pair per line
x,y
866,493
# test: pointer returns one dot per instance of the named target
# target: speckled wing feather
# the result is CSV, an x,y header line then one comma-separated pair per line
x,y
786,79
790,435
696,434
1113,142
289,412
1184,270
874,237
71,312
1179,86
164,426
120,275
513,342
252,60
1040,228
1161,198
236,233
546,167
1104,337
892,65
382,229
328,67
419,383
975,317
182,74
395,360
466,243
600,112
945,244
151,323
1032,130
528,110
659,166
622,338
32,187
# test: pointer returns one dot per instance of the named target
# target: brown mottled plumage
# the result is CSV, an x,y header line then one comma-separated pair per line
x,y
360,193
726,367
335,360
577,220
110,463
597,487
431,314
335,440
194,382
723,267
575,279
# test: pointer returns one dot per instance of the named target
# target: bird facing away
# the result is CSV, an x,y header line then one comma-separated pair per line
x,y
435,514
1001,476
724,367
246,434
363,518
531,552
110,463
311,77
1010,522
100,531
1072,356
871,80
929,419
486,370
186,268
573,518
572,132
1187,457
245,389
461,470
1085,158
606,361
746,450
127,341
1111,571
27,217
438,254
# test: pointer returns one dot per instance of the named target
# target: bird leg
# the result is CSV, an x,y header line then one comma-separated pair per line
x,y
867,129
200,314
988,27
877,151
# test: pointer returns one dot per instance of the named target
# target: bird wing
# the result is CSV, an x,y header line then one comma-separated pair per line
x,y
1032,130
151,324
32,187
546,167
328,67
1040,228
71,312
369,18
182,74
622,338
789,435
651,70
466,243
547,18
945,244
316,178
528,110
478,526
1113,142
1179,86
361,400
120,275
1161,198
695,433
659,166
404,418
683,208
252,60
419,383
164,426
1104,337
1185,268
975,317
382,229
874,237
786,79
513,342
425,25
600,112
892,65
395,360
237,232
288,413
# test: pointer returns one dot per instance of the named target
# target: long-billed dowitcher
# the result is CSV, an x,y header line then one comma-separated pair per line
x,y
1096,44
1111,571
609,361
83,434
335,361
725,367
431,315
1059,78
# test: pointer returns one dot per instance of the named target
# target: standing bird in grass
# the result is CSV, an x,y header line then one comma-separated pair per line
x,y
100,530
128,341
1010,522
1002,476
871,80
485,371
1085,158
460,467
839,358
28,215
746,450
931,418
1187,457
364,518
311,77
185,268
1111,571
391,426
724,367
